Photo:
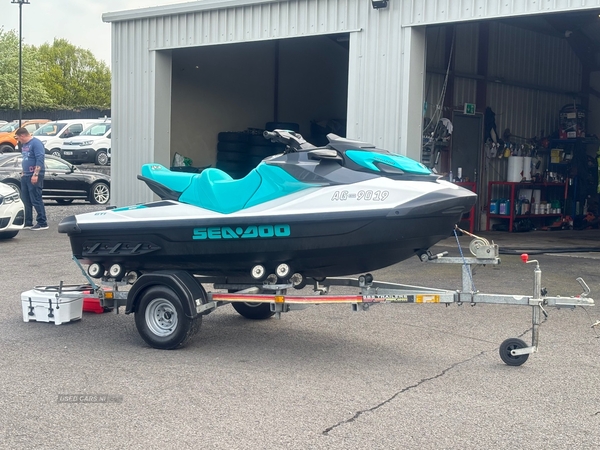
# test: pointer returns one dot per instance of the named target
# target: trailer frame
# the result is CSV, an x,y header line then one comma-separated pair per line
x,y
263,300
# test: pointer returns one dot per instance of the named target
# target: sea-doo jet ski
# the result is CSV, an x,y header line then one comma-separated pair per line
x,y
346,208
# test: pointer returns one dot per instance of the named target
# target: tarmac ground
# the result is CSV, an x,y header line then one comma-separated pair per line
x,y
395,376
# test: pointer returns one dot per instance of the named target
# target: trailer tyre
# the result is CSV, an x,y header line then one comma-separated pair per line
x,y
254,311
161,321
513,344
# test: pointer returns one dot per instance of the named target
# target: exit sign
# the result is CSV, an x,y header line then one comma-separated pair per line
x,y
470,108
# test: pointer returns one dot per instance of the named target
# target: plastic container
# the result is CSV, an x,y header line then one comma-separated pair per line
x,y
494,206
46,304
92,304
502,208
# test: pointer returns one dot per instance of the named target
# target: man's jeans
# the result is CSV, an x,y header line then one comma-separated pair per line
x,y
31,194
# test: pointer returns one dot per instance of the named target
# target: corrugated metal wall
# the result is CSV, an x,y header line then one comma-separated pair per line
x,y
429,12
133,109
375,78
534,72
255,23
543,68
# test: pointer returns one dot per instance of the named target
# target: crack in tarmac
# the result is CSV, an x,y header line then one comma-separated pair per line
x,y
406,389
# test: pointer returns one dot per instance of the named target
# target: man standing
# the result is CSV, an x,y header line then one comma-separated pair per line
x,y
32,180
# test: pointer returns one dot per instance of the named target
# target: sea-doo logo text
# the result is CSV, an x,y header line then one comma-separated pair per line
x,y
253,231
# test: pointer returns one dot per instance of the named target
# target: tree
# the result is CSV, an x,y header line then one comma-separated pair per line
x,y
34,94
73,77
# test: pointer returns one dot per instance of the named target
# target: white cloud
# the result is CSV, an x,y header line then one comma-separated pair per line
x,y
77,21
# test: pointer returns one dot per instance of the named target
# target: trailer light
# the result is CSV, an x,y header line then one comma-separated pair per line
x,y
108,294
279,299
429,298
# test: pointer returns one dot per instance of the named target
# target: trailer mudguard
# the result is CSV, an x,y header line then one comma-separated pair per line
x,y
184,284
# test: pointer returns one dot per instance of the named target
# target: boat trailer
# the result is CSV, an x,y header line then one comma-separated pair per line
x,y
169,305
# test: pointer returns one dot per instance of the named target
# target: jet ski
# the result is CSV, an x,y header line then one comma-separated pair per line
x,y
342,209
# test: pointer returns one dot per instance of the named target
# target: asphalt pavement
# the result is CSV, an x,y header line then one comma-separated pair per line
x,y
393,377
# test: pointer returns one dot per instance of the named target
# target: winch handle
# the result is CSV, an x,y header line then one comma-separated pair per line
x,y
525,259
584,286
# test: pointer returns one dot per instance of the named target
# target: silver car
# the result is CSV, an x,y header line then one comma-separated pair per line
x,y
12,212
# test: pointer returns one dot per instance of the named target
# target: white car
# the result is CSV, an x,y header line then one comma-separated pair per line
x,y
12,212
52,134
91,146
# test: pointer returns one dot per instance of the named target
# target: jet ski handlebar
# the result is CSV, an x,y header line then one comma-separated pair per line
x,y
293,140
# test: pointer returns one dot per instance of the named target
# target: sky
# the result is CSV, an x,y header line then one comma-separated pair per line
x,y
77,21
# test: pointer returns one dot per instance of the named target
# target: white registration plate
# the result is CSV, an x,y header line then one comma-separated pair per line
x,y
67,153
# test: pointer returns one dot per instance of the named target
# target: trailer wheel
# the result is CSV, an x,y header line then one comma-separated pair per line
x,y
512,344
160,319
254,311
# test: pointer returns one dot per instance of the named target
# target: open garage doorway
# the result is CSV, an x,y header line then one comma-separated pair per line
x,y
224,90
501,91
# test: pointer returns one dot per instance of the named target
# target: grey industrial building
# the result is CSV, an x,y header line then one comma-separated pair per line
x,y
377,70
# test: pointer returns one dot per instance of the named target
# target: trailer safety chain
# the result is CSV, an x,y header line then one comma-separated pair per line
x,y
468,268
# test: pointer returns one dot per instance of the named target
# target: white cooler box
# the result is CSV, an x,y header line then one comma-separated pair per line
x,y
52,304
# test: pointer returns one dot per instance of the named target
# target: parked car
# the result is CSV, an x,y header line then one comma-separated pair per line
x,y
8,140
52,134
91,146
63,181
12,212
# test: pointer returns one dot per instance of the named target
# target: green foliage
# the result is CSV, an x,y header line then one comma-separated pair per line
x,y
34,95
57,75
73,76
